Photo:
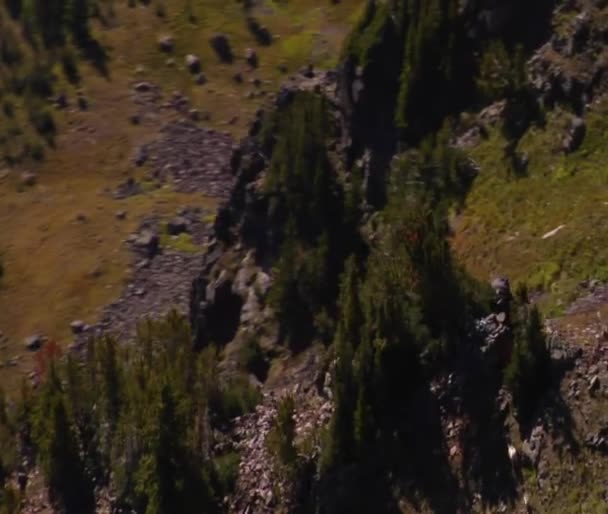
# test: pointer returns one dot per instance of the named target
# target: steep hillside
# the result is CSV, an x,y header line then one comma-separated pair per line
x,y
541,221
59,203
359,326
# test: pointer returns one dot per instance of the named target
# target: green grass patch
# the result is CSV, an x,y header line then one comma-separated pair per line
x,y
180,243
502,226
227,469
298,48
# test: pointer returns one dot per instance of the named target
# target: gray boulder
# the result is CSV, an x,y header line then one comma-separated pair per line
x,y
148,241
77,326
221,45
166,43
28,178
251,57
193,63
177,226
141,156
575,136
34,343
142,87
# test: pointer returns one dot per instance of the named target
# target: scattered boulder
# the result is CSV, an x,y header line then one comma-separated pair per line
x,y
215,311
221,45
142,87
262,284
77,326
61,101
22,479
83,103
200,79
177,226
194,114
121,215
193,63
166,43
260,32
251,57
126,189
141,156
599,440
34,343
502,288
97,271
238,77
308,71
28,178
575,136
563,355
148,241
594,384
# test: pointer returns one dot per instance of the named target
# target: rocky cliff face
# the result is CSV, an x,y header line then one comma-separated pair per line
x,y
237,275
474,421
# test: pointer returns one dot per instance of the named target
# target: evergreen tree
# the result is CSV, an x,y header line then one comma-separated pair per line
x,y
77,20
111,381
364,425
49,15
14,7
280,439
528,373
70,487
307,204
168,478
340,443
433,56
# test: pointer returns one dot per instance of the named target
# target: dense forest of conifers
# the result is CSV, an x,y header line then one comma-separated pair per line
x,y
393,309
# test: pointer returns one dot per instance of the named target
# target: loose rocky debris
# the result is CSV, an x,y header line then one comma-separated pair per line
x,y
570,67
599,440
195,158
596,296
157,286
495,329
161,279
259,487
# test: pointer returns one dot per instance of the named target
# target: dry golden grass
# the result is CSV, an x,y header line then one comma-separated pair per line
x,y
49,256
